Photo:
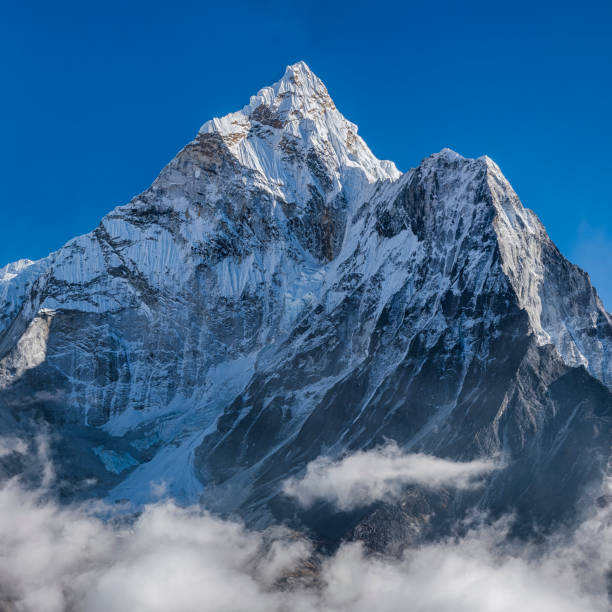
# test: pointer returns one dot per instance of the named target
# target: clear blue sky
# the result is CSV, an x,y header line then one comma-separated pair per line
x,y
98,96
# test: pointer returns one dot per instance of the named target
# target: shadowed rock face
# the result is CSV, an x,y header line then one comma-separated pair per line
x,y
278,293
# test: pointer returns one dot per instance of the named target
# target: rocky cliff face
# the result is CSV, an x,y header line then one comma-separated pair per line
x,y
279,293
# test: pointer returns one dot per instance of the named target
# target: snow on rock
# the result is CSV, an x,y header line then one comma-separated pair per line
x,y
292,130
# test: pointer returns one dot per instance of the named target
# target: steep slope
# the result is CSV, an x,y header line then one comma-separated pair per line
x,y
279,293
423,337
158,315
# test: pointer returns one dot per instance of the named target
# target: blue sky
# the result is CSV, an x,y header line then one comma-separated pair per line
x,y
98,96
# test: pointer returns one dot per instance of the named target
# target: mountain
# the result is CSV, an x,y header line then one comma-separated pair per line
x,y
278,294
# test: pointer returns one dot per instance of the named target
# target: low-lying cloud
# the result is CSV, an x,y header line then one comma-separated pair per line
x,y
381,474
66,559
476,573
55,559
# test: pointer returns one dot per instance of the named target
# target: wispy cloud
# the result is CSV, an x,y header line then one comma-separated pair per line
x,y
12,444
381,474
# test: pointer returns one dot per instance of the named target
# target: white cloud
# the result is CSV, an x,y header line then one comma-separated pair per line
x,y
474,574
11,444
60,559
380,474
54,559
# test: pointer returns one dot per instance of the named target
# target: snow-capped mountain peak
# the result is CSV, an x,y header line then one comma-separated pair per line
x,y
293,135
299,94
279,292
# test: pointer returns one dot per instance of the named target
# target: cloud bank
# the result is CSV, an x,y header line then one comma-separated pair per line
x,y
380,474
66,559
56,559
